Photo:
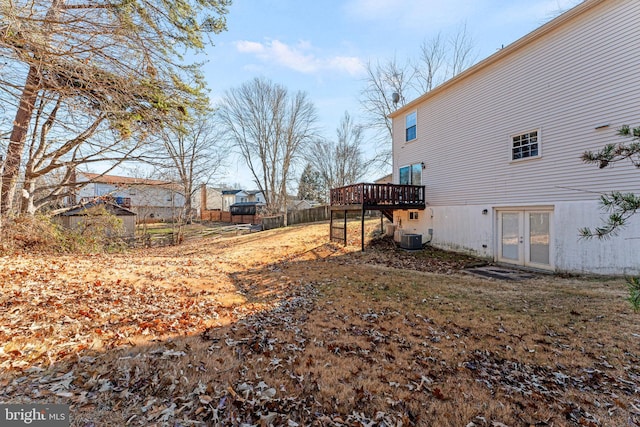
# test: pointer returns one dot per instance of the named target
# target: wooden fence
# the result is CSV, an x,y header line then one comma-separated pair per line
x,y
320,213
220,216
215,215
271,222
303,216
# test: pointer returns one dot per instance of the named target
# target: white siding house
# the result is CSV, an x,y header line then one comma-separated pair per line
x,y
498,148
256,196
231,197
207,198
150,199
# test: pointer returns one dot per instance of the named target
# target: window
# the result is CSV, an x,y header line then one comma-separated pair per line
x,y
413,215
525,146
411,175
410,126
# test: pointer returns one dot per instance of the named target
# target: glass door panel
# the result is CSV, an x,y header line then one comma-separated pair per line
x,y
539,238
510,235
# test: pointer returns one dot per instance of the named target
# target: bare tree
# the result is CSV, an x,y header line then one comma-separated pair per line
x,y
443,58
428,71
341,162
461,52
118,63
270,128
377,99
390,85
193,155
52,157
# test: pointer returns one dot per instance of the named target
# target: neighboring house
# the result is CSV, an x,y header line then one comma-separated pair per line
x,y
231,197
387,179
256,196
207,198
148,198
298,205
498,147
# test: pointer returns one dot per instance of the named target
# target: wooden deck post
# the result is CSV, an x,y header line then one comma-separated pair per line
x,y
331,225
345,228
362,228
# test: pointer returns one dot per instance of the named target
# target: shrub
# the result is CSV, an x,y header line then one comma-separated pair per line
x,y
31,234
98,231
633,284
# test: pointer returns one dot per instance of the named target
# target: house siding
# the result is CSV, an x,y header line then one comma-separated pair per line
x,y
147,201
466,229
565,83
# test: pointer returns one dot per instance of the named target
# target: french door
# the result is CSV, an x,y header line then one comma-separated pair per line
x,y
525,236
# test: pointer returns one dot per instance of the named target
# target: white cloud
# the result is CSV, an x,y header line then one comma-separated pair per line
x,y
249,47
300,57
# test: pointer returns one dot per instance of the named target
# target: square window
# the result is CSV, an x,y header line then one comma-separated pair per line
x,y
525,146
413,215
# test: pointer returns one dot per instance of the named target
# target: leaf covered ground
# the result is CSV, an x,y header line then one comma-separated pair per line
x,y
283,328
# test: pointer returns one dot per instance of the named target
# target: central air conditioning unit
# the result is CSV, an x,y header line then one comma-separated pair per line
x,y
411,241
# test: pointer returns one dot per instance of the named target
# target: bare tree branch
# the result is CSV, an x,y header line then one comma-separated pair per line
x,y
118,62
270,128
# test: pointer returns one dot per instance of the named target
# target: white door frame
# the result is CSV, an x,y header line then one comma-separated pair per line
x,y
523,239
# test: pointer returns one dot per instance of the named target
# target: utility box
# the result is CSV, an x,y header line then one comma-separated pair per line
x,y
411,241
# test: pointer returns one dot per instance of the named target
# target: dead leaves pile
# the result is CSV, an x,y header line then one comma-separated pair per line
x,y
558,386
48,316
384,251
312,336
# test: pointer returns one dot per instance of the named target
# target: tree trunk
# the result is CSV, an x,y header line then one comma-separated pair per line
x,y
27,205
11,170
187,208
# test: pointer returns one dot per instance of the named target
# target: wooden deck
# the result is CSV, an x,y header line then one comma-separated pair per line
x,y
362,197
378,197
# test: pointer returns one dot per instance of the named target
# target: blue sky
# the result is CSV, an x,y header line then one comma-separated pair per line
x,y
321,46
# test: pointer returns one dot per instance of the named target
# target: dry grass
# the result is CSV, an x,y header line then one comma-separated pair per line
x,y
282,328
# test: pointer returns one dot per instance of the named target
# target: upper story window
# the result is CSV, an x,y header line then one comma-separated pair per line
x,y
410,127
525,145
411,175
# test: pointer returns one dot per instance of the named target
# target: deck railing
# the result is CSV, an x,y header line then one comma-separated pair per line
x,y
125,202
378,195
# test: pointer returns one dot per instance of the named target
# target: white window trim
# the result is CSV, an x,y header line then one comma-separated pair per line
x,y
524,159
